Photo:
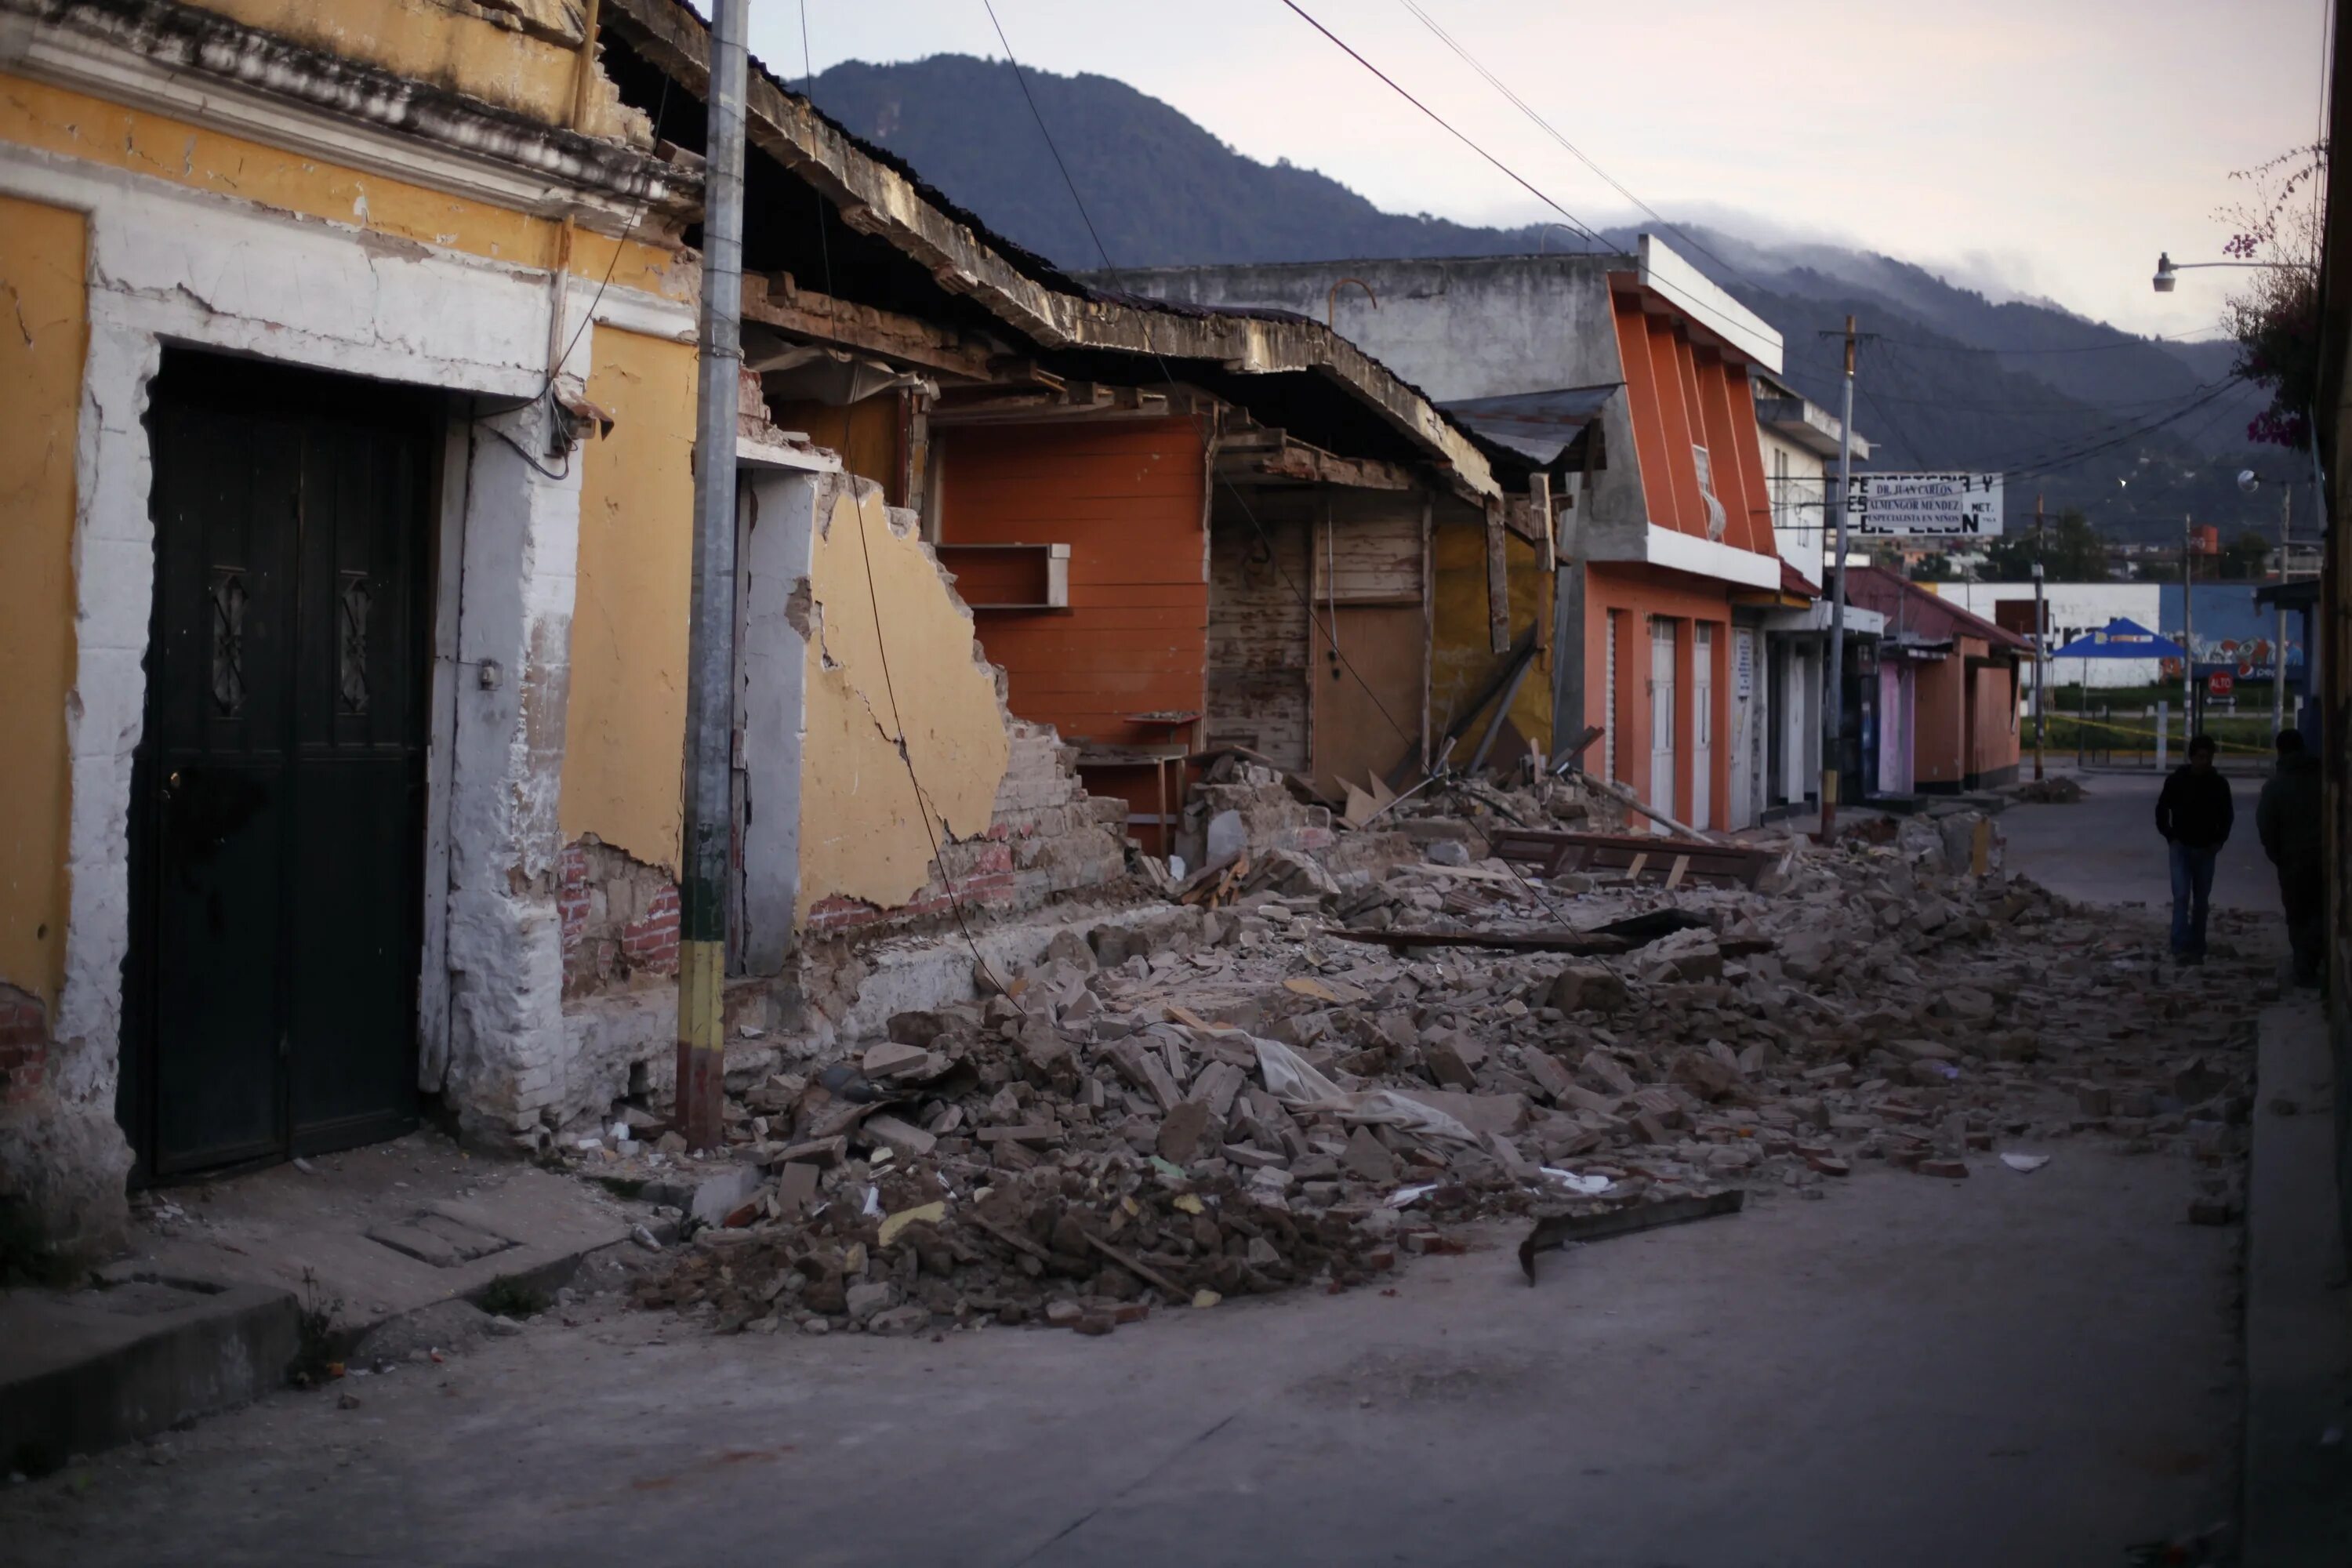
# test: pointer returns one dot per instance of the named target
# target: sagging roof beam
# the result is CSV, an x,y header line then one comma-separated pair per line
x,y
876,200
777,302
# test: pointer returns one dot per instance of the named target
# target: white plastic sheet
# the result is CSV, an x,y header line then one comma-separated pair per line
x,y
1294,1080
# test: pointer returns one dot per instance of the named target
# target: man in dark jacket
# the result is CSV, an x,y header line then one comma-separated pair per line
x,y
2288,818
2195,815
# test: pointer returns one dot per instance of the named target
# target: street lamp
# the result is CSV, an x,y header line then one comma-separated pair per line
x,y
2165,266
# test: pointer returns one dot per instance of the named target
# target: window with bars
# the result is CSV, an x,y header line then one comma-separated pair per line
x,y
228,601
354,600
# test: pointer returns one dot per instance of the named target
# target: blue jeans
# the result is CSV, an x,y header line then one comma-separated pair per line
x,y
2192,890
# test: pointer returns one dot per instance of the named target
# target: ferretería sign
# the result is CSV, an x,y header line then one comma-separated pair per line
x,y
1950,504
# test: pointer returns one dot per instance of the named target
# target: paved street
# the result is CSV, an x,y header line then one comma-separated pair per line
x,y
2028,1370
2104,849
2023,1369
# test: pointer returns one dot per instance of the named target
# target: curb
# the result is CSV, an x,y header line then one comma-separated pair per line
x,y
2298,1314
87,1369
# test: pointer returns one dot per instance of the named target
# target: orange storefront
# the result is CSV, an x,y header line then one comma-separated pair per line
x,y
1658,640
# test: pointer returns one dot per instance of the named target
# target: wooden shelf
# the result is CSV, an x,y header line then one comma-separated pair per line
x,y
1010,579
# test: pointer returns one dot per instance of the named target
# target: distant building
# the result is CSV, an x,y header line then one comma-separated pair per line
x,y
1670,570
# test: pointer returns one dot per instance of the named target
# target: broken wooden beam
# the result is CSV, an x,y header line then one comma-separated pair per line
x,y
1558,1230
1577,942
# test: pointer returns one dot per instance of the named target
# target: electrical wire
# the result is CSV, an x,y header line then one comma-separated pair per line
x,y
661,107
1231,488
2102,437
2072,349
1553,131
922,801
1513,175
1329,633
2066,460
524,453
808,90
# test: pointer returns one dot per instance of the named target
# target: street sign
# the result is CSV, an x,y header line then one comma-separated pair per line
x,y
2221,682
1955,505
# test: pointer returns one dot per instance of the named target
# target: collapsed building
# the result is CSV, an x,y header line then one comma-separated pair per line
x,y
348,606
1676,614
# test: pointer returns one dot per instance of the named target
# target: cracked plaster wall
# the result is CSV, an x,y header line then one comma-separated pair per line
x,y
168,262
866,840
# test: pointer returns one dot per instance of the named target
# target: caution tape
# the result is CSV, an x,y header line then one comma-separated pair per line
x,y
2150,735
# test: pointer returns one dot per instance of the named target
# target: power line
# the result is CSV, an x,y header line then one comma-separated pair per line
x,y
1168,375
2074,348
2102,438
1554,132
808,90
1574,222
2068,459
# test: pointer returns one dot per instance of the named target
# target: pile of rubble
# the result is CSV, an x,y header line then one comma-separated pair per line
x,y
1220,1101
2056,790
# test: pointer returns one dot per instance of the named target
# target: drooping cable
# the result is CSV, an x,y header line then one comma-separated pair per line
x,y
1315,628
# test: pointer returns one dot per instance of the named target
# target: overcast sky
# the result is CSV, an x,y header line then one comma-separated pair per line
x,y
2041,147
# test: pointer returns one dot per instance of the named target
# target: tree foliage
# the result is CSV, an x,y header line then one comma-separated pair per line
x,y
2249,556
2276,319
2072,552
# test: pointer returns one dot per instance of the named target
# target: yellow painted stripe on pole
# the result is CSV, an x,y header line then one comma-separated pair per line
x,y
701,994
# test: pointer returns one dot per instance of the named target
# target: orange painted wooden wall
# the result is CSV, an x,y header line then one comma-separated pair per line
x,y
1994,736
1683,396
1126,496
1637,594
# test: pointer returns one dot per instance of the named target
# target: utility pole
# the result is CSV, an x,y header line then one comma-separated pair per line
x,y
1833,675
2040,627
2189,703
2278,643
710,626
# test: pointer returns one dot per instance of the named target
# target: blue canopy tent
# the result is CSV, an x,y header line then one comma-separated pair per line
x,y
2122,639
2119,638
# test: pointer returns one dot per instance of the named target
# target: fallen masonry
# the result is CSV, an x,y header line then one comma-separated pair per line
x,y
1234,1100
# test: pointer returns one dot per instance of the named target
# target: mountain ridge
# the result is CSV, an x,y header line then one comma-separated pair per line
x,y
1947,378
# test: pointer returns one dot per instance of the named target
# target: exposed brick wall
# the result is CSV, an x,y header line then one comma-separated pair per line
x,y
24,1045
620,919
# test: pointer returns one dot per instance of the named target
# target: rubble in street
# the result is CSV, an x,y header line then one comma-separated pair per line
x,y
2058,789
1229,1101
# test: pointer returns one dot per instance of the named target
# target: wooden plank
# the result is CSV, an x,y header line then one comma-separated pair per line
x,y
1633,872
1576,943
1376,560
1675,875
1558,1230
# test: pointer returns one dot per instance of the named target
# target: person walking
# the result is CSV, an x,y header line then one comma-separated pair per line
x,y
2288,817
2195,815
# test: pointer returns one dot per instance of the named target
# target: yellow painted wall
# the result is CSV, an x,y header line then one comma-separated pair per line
x,y
33,114
1461,656
861,836
44,330
433,42
624,735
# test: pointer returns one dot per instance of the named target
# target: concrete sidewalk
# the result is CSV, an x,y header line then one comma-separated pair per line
x,y
2298,1501
223,1280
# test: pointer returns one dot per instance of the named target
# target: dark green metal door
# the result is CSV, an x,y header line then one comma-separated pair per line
x,y
278,802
